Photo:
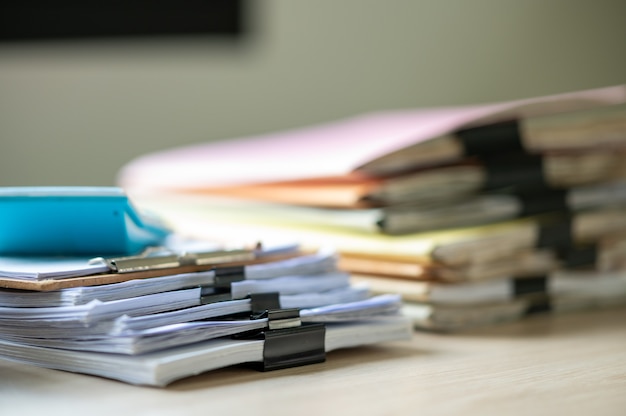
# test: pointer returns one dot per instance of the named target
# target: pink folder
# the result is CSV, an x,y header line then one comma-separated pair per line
x,y
336,149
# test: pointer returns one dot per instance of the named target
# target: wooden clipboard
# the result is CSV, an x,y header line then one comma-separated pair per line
x,y
47,285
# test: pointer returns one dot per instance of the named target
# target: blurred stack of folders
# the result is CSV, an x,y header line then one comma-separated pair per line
x,y
177,309
475,215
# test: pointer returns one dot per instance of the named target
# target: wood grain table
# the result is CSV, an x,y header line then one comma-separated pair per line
x,y
573,364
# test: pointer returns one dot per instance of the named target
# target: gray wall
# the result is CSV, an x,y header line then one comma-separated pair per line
x,y
73,113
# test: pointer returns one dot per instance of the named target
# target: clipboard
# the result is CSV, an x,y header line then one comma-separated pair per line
x,y
148,267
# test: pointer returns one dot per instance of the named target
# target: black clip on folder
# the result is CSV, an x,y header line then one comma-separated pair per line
x,y
288,341
535,291
221,288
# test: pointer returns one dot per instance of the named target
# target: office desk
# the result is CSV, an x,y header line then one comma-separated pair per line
x,y
571,364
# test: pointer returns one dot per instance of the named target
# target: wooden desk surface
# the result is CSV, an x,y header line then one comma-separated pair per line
x,y
567,365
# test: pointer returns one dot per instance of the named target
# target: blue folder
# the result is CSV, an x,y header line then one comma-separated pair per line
x,y
74,221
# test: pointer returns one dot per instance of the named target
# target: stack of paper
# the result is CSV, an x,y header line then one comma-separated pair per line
x,y
154,326
436,198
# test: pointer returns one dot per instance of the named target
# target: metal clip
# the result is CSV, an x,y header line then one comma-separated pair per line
x,y
216,257
147,260
283,318
155,258
287,341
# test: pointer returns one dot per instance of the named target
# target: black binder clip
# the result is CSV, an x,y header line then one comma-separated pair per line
x,y
579,256
221,288
558,237
263,302
495,138
288,341
535,291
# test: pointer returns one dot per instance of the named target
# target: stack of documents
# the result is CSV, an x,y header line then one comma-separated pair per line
x,y
426,201
187,307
